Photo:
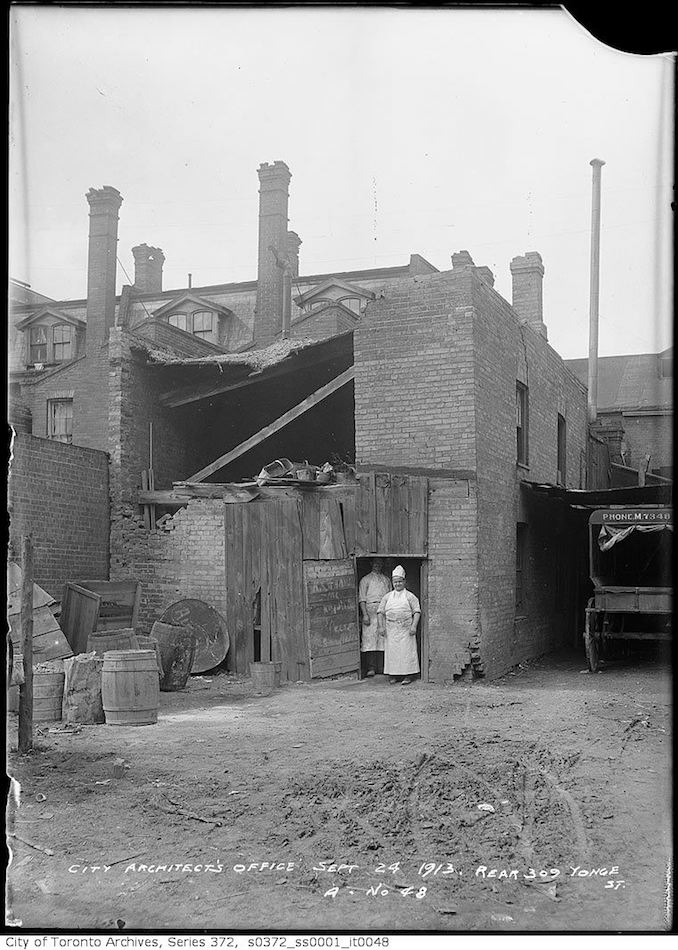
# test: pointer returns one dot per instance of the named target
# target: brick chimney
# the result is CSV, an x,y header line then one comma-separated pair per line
x,y
294,242
273,249
148,263
461,259
104,204
528,275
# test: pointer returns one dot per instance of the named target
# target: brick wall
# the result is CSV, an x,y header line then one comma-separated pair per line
x,y
452,607
184,559
59,494
507,351
414,375
649,435
87,382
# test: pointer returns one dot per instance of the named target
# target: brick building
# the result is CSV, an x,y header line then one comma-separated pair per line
x,y
448,398
635,410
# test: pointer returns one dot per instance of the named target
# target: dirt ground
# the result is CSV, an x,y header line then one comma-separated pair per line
x,y
240,811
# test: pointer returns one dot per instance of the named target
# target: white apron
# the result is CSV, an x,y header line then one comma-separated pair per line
x,y
371,591
400,651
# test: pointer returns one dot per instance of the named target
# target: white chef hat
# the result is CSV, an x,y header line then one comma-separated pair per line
x,y
398,571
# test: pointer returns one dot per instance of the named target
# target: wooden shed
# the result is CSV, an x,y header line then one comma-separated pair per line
x,y
292,569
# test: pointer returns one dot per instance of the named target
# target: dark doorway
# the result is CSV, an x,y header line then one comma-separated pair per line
x,y
414,568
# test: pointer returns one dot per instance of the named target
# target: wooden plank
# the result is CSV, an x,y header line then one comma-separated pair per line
x,y
331,610
14,586
79,615
418,515
347,504
300,669
234,593
423,622
332,541
49,642
267,564
362,517
308,403
382,496
26,688
401,514
135,604
310,515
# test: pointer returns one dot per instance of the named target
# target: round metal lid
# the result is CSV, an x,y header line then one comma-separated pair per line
x,y
209,628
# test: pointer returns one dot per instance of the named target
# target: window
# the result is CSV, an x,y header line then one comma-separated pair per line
x,y
521,424
202,324
60,420
562,440
61,342
38,345
178,320
353,303
50,344
521,534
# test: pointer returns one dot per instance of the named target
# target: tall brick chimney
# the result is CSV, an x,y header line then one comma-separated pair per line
x,y
528,275
104,204
294,242
148,263
273,250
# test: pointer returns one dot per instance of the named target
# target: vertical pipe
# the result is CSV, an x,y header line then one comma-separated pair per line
x,y
596,164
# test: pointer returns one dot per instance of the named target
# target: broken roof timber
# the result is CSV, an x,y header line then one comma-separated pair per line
x,y
308,403
287,360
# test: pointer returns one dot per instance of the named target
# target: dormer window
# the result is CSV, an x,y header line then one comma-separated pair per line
x,y
62,343
51,337
200,323
50,345
178,320
203,324
38,345
353,303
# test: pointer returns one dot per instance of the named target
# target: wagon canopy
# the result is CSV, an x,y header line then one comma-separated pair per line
x,y
610,536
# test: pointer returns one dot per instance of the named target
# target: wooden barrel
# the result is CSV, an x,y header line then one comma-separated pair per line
x,y
101,641
129,687
177,651
48,692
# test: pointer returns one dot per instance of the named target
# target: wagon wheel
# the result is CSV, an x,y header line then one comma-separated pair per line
x,y
591,642
593,652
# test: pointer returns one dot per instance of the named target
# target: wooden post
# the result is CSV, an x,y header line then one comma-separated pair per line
x,y
26,689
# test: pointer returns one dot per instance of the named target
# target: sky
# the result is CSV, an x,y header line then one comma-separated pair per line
x,y
406,131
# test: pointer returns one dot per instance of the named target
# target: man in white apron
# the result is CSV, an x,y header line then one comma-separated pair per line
x,y
398,614
371,590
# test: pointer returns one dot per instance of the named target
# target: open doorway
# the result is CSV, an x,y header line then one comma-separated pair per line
x,y
415,581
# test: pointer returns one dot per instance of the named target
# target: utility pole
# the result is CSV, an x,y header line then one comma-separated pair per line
x,y
597,164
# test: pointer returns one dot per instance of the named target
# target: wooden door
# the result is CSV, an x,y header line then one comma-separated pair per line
x,y
331,608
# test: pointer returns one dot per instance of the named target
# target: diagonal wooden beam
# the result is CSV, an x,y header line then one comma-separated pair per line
x,y
274,427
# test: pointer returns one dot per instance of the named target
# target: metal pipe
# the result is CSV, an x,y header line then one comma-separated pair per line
x,y
287,300
597,164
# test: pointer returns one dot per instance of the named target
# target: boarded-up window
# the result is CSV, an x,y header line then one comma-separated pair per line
x,y
60,420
